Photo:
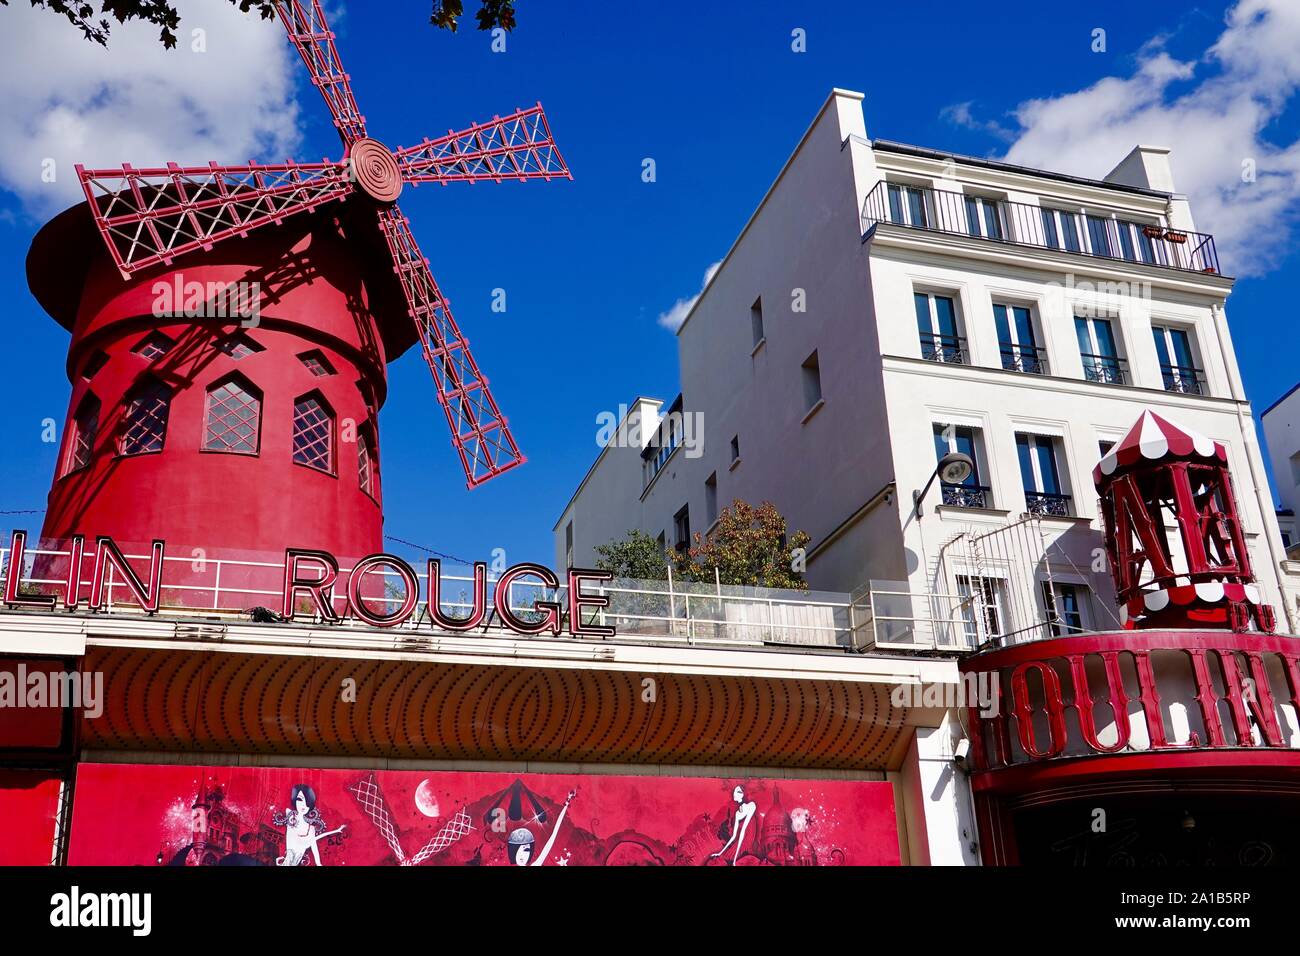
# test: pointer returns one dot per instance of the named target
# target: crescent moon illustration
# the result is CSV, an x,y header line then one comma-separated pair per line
x,y
425,799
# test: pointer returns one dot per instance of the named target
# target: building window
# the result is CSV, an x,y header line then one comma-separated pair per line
x,y
1099,236
711,499
936,321
1061,230
1135,241
1099,351
568,545
1064,606
811,375
907,205
682,528
144,426
313,434
1017,341
152,346
982,217
756,322
1040,475
964,439
93,364
1177,363
367,465
316,363
983,607
234,418
239,346
735,449
664,444
85,426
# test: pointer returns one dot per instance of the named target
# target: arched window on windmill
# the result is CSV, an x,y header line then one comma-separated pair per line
x,y
85,427
313,433
367,462
144,425
233,417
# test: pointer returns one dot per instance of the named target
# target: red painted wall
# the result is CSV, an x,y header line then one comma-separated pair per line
x,y
29,802
132,814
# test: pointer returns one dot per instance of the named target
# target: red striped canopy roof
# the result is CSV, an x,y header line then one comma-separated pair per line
x,y
1154,438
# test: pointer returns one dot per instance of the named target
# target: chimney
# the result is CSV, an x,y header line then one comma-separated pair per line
x,y
1145,166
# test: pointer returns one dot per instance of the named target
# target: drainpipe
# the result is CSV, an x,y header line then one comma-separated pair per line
x,y
1252,450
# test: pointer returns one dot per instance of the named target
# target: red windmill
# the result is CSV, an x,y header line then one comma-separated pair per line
x,y
1174,540
149,217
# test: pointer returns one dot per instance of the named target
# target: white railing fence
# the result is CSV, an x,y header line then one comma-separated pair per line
x,y
196,584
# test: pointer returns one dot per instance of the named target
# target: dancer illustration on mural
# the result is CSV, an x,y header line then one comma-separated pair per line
x,y
519,845
739,827
304,827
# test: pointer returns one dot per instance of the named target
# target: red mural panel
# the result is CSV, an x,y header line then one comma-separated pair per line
x,y
29,806
258,816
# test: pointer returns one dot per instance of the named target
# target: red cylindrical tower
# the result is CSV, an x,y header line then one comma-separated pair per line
x,y
228,401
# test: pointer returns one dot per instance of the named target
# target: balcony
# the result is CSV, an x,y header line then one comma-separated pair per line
x,y
966,496
1024,224
944,348
1184,378
1105,369
1030,359
1049,505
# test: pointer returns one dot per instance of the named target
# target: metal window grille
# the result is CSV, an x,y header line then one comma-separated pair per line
x,y
145,423
232,420
239,347
153,346
365,472
313,435
86,424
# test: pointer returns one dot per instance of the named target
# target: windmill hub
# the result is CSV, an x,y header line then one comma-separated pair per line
x,y
375,171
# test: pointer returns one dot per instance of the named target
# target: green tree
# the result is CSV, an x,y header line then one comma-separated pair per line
x,y
446,14
635,555
748,547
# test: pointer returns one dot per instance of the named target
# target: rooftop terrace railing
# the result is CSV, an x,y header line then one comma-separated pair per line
x,y
1040,226
671,611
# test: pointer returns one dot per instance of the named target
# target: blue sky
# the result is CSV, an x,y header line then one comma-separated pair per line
x,y
715,95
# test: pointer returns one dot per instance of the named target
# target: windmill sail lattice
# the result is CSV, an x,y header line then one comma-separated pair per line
x,y
148,217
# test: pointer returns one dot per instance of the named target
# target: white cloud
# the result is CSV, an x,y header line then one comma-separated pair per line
x,y
672,319
73,101
1213,112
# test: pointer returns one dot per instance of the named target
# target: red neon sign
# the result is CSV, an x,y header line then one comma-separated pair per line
x,y
315,584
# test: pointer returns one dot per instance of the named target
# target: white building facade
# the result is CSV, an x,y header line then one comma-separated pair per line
x,y
886,304
1281,422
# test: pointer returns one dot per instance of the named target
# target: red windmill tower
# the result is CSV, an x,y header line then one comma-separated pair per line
x,y
197,423
1173,535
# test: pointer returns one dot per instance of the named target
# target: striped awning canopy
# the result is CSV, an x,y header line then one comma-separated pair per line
x,y
1154,438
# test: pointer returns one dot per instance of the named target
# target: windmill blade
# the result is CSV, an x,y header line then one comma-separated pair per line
x,y
148,216
310,32
479,432
519,146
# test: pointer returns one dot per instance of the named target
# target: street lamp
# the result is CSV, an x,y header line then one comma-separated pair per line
x,y
953,468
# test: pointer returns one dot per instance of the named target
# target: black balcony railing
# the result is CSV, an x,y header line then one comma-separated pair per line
x,y
944,348
1184,378
1024,358
1106,369
1024,224
1046,503
966,496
